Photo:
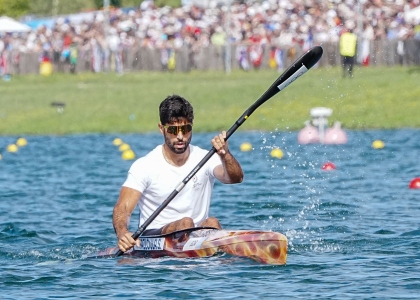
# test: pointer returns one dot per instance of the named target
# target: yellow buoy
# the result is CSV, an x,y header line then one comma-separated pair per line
x,y
245,147
1,157
21,142
117,142
128,155
277,153
378,144
12,148
124,147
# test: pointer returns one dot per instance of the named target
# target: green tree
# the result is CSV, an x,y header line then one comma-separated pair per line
x,y
59,7
131,3
159,3
46,8
100,3
171,3
14,8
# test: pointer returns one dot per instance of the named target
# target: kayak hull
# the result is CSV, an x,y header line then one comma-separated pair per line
x,y
263,246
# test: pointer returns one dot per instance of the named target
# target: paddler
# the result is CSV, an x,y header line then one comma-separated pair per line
x,y
153,177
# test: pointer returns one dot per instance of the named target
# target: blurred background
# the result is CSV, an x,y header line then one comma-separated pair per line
x,y
45,36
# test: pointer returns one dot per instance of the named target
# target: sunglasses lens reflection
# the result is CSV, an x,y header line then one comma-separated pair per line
x,y
172,129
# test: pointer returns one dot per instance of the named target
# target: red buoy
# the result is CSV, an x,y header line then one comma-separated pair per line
x,y
328,166
415,183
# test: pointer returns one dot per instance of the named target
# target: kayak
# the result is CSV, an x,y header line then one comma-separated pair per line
x,y
266,247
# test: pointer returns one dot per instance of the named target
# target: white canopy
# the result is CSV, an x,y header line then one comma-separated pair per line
x,y
10,25
413,15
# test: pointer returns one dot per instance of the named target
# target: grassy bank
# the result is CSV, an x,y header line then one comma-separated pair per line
x,y
374,98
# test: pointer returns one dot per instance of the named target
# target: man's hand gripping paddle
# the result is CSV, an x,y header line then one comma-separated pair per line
x,y
297,69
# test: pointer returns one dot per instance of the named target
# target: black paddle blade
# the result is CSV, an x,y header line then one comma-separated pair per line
x,y
297,69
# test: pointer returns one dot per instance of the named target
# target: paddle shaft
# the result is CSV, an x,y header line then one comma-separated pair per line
x,y
297,69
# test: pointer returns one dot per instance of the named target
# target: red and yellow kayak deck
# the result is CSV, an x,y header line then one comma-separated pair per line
x,y
266,247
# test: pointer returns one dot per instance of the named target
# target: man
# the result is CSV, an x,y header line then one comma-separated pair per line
x,y
153,177
348,44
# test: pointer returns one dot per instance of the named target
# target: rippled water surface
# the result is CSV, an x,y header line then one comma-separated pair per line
x,y
353,232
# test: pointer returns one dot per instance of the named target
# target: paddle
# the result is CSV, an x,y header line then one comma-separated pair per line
x,y
297,69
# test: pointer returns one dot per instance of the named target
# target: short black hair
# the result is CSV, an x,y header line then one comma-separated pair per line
x,y
175,108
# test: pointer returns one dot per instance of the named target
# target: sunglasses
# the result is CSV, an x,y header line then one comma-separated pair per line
x,y
174,129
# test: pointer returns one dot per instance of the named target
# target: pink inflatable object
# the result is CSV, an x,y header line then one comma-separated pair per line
x,y
335,135
308,135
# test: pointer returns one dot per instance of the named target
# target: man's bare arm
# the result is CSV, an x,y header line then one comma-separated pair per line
x,y
123,209
230,171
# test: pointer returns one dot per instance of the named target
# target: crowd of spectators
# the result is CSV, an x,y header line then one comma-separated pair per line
x,y
282,23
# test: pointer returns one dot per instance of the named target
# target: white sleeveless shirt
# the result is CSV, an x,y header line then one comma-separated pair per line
x,y
156,179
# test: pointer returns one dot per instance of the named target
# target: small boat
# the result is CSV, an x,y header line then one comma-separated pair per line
x,y
266,247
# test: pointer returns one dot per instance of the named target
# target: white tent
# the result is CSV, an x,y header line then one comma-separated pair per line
x,y
413,15
10,25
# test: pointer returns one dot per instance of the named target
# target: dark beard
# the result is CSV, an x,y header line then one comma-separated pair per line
x,y
171,146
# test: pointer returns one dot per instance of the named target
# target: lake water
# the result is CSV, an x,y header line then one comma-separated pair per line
x,y
354,233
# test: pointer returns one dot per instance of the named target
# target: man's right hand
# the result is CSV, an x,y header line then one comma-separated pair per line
x,y
123,209
126,242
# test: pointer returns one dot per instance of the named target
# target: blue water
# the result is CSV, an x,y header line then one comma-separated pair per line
x,y
354,233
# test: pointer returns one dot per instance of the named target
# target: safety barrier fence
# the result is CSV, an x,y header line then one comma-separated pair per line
x,y
381,53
